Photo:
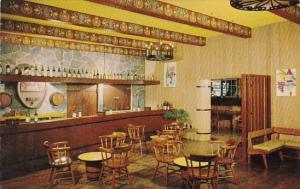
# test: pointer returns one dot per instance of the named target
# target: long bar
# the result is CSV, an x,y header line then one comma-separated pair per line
x,y
21,146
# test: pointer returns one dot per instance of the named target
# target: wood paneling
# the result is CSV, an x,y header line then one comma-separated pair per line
x,y
271,47
117,97
82,98
256,113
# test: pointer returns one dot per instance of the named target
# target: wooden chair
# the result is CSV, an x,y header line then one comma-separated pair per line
x,y
165,152
113,140
59,157
175,130
137,135
115,164
197,174
226,159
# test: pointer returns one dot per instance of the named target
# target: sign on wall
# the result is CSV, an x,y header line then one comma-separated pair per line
x,y
170,74
286,82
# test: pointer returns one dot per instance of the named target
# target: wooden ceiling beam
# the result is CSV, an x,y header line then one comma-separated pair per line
x,y
70,44
174,13
290,13
45,12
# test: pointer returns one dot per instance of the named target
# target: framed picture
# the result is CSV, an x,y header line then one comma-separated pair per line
x,y
286,82
170,74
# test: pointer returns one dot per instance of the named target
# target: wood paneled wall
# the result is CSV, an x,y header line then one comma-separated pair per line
x,y
82,98
271,47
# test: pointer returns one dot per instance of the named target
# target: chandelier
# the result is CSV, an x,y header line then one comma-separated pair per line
x,y
262,5
159,52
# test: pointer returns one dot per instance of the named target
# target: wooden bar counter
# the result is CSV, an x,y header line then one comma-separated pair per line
x,y
21,145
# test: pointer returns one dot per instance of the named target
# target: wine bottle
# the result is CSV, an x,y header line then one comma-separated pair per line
x,y
69,73
97,74
7,69
54,74
36,71
1,69
48,72
78,73
42,71
16,70
58,72
86,73
36,116
64,74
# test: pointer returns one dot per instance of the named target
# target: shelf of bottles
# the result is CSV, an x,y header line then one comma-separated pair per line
x,y
64,75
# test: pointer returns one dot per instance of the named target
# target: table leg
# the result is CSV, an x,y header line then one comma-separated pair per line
x,y
93,169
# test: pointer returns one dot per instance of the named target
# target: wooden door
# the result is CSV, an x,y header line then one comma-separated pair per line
x,y
256,105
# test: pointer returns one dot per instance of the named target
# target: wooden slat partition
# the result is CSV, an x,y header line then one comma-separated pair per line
x,y
256,105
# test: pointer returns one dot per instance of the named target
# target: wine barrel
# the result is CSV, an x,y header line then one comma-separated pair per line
x,y
5,100
57,99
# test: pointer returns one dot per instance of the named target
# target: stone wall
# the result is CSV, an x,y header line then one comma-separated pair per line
x,y
17,55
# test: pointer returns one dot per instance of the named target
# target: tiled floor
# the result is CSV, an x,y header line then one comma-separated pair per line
x,y
280,176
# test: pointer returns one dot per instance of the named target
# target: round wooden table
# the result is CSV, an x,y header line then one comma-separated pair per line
x,y
180,161
92,164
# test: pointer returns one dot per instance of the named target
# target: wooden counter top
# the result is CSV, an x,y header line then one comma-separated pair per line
x,y
71,122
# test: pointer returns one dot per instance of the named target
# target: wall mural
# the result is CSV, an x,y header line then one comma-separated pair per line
x,y
15,55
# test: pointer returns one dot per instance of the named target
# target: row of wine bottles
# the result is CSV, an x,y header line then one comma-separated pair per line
x,y
72,73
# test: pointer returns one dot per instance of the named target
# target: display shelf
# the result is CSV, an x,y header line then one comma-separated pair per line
x,y
24,78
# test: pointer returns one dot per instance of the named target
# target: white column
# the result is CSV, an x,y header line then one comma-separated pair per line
x,y
203,110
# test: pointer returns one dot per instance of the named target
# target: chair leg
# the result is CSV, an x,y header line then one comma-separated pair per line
x,y
249,159
281,155
156,169
129,179
114,179
214,184
166,176
141,147
265,161
101,174
50,180
72,174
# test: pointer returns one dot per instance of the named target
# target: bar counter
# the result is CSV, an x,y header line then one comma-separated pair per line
x,y
21,146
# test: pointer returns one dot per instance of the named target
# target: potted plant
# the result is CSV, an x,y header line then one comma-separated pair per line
x,y
179,115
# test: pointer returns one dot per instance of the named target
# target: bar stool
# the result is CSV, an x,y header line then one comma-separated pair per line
x,y
59,156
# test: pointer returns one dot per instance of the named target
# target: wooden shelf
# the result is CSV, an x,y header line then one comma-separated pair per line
x,y
23,78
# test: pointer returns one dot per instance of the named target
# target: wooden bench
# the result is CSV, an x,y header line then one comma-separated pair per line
x,y
267,141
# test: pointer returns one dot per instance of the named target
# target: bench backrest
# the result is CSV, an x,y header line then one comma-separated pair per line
x,y
259,136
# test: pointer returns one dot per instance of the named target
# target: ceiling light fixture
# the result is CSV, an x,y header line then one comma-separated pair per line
x,y
262,5
159,52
